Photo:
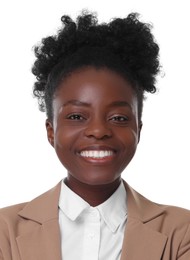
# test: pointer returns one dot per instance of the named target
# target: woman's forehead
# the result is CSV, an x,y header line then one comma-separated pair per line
x,y
91,79
95,88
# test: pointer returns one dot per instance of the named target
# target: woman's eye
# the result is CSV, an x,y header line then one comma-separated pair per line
x,y
120,119
75,117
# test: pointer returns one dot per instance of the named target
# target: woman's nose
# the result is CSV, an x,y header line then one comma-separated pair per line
x,y
98,129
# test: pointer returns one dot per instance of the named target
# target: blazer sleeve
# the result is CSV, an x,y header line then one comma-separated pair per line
x,y
184,249
5,248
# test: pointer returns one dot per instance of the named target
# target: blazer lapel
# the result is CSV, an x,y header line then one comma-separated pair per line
x,y
141,242
40,238
142,239
42,243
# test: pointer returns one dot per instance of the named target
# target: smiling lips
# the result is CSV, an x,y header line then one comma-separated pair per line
x,y
97,154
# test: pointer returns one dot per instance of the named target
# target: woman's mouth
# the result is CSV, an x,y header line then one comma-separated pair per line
x,y
97,154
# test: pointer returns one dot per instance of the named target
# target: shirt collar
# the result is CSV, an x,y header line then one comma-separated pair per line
x,y
113,210
67,199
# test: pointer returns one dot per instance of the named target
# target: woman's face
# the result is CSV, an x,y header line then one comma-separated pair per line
x,y
95,128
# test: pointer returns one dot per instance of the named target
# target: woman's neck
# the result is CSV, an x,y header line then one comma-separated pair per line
x,y
93,194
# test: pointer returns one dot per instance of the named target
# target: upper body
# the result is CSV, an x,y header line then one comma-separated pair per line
x,y
31,230
91,81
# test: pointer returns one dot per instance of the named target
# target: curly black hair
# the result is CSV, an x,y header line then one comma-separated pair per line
x,y
126,46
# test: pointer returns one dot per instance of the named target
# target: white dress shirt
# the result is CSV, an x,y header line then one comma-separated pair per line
x,y
92,233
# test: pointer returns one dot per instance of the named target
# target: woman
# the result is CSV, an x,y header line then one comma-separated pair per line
x,y
91,81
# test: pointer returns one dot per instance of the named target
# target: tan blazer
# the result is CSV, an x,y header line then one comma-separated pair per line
x,y
30,231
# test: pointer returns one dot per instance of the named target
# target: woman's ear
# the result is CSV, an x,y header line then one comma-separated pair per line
x,y
50,132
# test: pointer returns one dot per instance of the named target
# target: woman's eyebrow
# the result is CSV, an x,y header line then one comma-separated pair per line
x,y
120,104
82,103
76,103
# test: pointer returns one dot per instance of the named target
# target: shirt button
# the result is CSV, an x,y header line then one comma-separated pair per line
x,y
91,235
95,214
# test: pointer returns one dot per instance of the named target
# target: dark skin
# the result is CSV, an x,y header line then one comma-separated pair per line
x,y
95,131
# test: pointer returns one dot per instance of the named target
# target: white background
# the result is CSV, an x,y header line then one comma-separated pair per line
x,y
28,165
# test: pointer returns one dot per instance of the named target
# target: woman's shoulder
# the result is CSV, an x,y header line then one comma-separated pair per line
x,y
11,212
175,217
38,209
146,209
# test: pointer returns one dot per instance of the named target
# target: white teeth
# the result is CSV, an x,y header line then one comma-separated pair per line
x,y
96,154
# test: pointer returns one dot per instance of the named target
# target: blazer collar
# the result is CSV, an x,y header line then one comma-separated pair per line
x,y
44,207
141,208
